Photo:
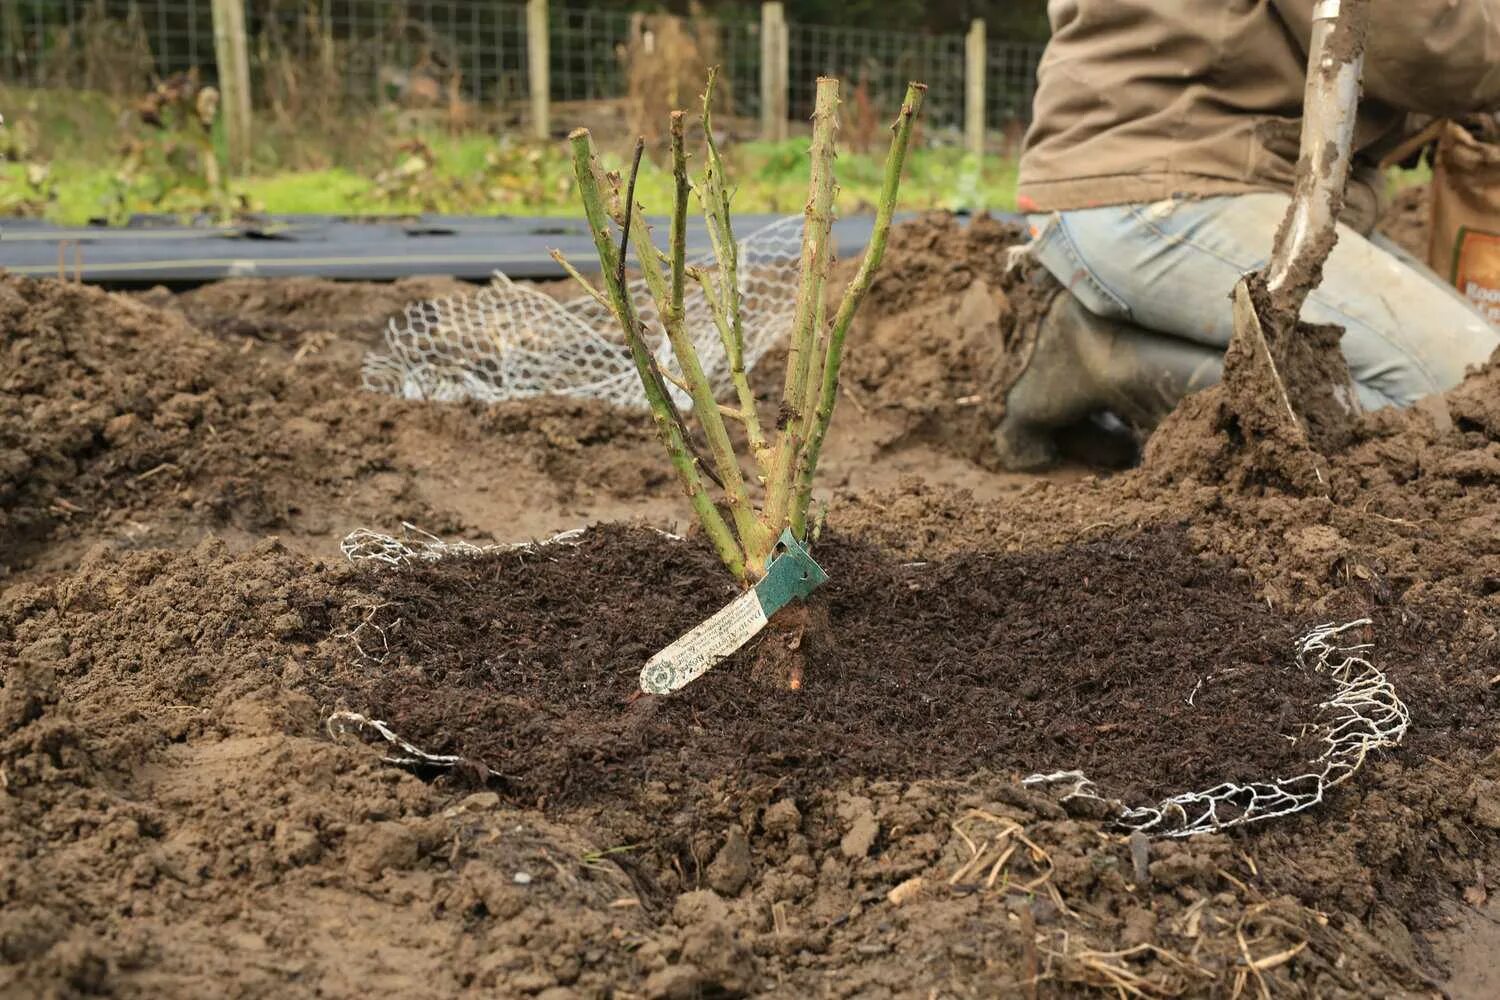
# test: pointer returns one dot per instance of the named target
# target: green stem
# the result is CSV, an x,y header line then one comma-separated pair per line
x,y
626,228
753,432
814,264
816,365
584,283
678,234
853,296
752,534
590,187
724,301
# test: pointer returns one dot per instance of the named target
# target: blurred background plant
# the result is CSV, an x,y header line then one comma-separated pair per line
x,y
72,158
171,160
402,106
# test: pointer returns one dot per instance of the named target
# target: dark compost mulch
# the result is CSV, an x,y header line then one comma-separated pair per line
x,y
1132,659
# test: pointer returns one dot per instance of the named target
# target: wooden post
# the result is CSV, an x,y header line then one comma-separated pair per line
x,y
233,59
974,67
773,71
538,68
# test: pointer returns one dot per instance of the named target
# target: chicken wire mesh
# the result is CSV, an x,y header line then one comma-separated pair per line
x,y
1365,714
510,341
343,723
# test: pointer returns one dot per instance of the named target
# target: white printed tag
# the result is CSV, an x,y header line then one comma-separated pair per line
x,y
687,659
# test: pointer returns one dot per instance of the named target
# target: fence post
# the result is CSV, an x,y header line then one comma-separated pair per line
x,y
773,71
538,68
233,60
974,67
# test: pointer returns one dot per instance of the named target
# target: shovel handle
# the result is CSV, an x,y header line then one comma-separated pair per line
x,y
1335,62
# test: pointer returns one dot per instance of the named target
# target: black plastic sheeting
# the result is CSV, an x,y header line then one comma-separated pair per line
x,y
152,250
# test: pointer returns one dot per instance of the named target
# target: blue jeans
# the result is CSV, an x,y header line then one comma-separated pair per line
x,y
1170,267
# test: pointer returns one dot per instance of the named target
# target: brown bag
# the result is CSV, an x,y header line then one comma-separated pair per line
x,y
1466,216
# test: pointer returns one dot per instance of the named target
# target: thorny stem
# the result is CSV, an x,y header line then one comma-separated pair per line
x,y
650,248
816,350
677,238
853,295
750,532
816,366
725,409
588,286
635,170
726,336
724,302
586,169
814,266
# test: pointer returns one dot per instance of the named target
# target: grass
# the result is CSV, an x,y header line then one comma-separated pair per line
x,y
72,158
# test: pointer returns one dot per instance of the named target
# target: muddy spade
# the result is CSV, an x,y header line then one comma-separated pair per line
x,y
1267,303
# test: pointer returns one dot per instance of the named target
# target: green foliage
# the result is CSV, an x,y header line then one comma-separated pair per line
x,y
72,157
66,157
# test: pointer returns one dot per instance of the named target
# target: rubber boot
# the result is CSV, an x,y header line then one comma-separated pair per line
x,y
1083,364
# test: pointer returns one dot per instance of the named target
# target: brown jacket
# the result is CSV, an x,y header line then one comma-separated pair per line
x,y
1139,100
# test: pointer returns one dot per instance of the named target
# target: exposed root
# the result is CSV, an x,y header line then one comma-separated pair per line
x,y
796,635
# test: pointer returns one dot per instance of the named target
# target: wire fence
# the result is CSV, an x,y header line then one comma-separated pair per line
x,y
1010,82
878,64
435,52
370,51
593,52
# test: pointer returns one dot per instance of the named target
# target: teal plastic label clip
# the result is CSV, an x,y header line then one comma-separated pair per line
x,y
792,575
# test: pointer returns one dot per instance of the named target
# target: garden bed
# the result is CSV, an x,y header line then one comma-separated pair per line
x,y
178,818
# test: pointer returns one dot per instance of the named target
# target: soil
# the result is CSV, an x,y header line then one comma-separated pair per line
x,y
291,308
942,329
1284,402
127,422
122,421
178,819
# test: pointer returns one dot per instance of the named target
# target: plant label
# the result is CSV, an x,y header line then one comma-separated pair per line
x,y
791,575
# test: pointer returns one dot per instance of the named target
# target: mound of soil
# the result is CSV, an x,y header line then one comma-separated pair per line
x,y
123,421
1408,516
288,308
162,722
1285,400
942,328
1130,658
